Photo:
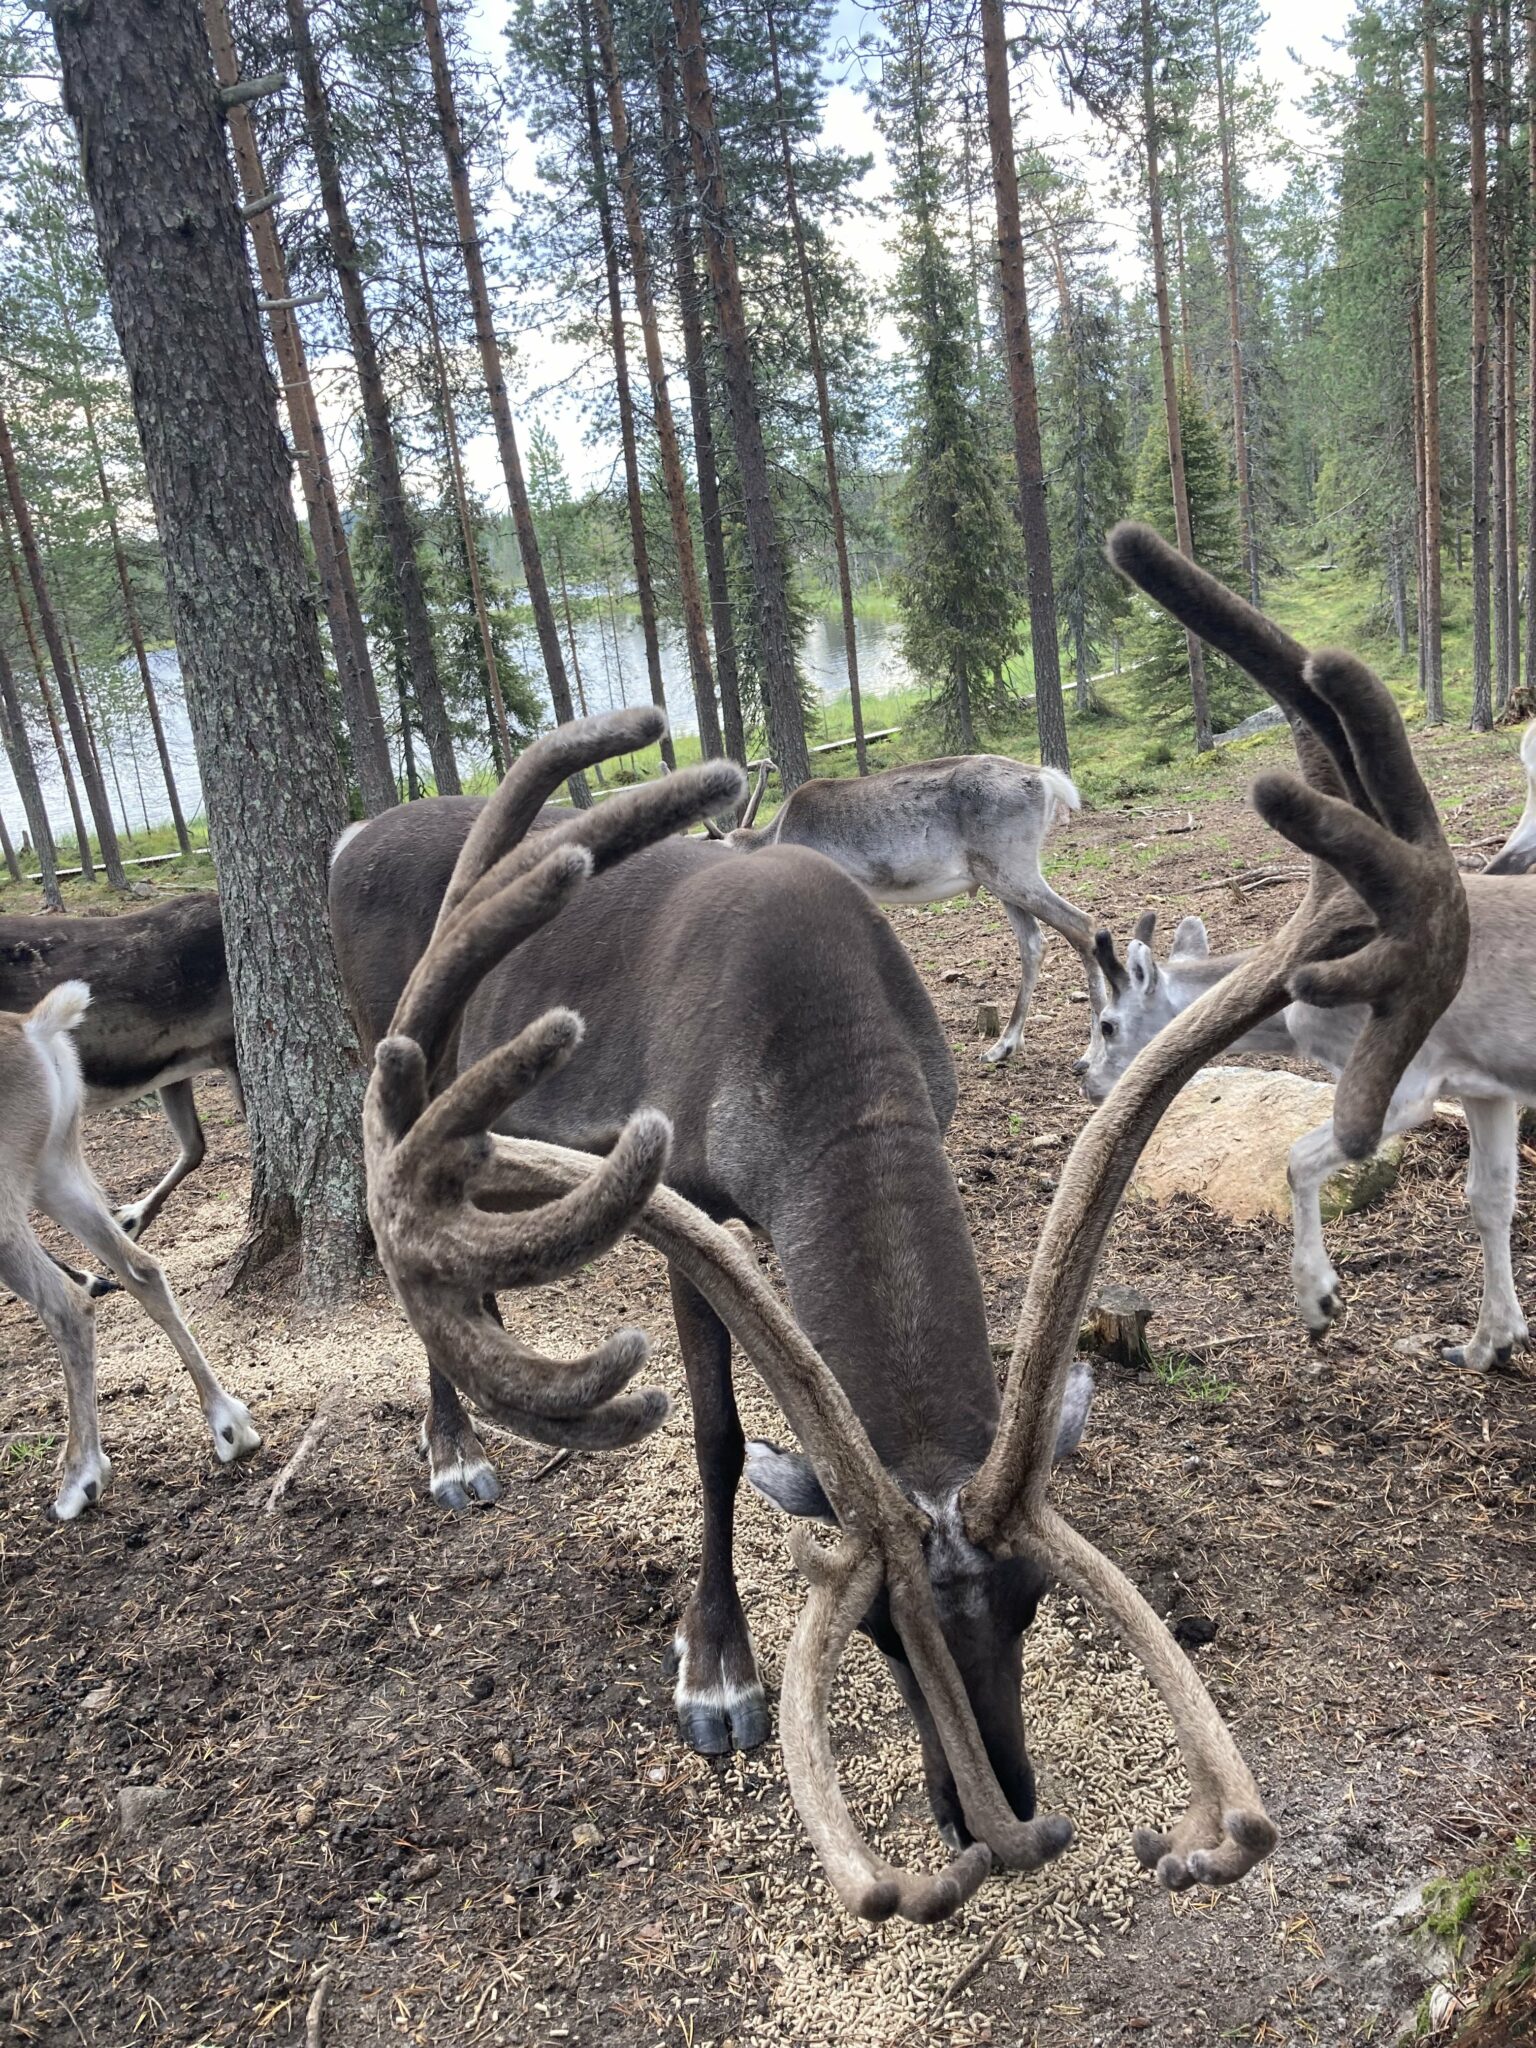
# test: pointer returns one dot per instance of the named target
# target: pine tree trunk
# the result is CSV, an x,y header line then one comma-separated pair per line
x,y
1501,422
700,663
1482,677
1430,609
500,734
139,88
1247,531
782,708
818,366
1420,552
18,749
690,308
333,557
8,846
1029,459
496,383
45,697
1182,528
395,515
85,755
1499,510
570,641
1530,365
634,496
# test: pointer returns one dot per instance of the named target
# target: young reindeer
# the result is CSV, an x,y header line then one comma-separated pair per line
x,y
943,1570
42,1167
939,829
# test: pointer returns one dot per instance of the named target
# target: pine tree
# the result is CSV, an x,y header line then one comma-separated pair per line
x,y
1085,457
1157,645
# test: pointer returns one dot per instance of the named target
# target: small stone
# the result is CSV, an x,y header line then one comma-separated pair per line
x,y
585,1836
501,1754
1191,1464
96,1703
1046,1142
304,1814
952,974
420,1868
481,1686
142,1810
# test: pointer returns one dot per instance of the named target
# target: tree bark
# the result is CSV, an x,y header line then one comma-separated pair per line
x,y
1029,460
1246,529
1500,336
395,515
495,381
501,733
828,437
1530,478
8,848
1420,553
85,753
138,85
782,708
333,557
1431,608
634,496
1482,649
690,309
18,749
700,662
1182,529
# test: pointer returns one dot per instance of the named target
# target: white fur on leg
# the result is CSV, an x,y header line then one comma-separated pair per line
x,y
83,1485
715,1710
234,1434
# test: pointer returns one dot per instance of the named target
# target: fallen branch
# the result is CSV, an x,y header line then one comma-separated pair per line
x,y
324,1416
551,1464
972,1970
252,207
244,90
316,2014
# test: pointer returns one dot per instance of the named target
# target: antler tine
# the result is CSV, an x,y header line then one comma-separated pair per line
x,y
1145,927
1111,966
446,1255
1234,628
1395,939
880,1537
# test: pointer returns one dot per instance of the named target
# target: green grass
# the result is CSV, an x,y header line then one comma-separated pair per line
x,y
1191,1379
30,1448
82,897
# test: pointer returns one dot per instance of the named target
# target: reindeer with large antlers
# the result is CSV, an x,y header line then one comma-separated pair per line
x,y
944,1536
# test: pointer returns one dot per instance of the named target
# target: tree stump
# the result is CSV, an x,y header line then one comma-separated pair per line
x,y
988,1023
1116,1327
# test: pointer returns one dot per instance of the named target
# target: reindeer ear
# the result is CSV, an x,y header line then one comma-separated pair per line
x,y
1076,1400
788,1479
1191,940
1141,967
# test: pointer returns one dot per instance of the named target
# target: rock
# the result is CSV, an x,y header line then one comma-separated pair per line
x,y
420,1868
585,1836
304,1814
97,1702
1046,1142
1227,1136
501,1753
142,1810
1258,721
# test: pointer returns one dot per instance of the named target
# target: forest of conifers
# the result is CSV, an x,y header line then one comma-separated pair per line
x,y
1285,341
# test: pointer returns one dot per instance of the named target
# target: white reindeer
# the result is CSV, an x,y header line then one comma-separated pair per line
x,y
1482,1052
944,828
42,1167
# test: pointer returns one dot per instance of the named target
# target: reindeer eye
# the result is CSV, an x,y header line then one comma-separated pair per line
x,y
1106,1027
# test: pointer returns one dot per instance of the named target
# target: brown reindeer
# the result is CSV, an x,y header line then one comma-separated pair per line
x,y
460,1213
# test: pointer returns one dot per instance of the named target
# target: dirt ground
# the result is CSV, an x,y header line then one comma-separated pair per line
x,y
437,1757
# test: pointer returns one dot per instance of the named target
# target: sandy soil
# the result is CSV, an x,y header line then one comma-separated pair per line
x,y
437,1757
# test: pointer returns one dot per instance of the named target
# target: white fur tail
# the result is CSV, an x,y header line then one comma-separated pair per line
x,y
345,837
1528,752
1064,790
59,1011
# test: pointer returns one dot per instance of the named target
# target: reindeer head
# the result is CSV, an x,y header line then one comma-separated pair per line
x,y
1140,1001
1383,924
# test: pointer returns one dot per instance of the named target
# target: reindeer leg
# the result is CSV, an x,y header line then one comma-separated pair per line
x,y
180,1106
1493,1127
70,1196
719,1696
66,1313
1313,1161
1074,927
1031,945
461,1472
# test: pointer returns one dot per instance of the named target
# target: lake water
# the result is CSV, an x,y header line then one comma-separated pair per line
x,y
610,650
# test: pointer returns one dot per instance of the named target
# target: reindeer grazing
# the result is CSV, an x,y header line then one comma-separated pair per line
x,y
160,1011
42,1167
763,1044
940,829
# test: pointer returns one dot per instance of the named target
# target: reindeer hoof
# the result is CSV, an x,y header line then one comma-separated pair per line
x,y
466,1484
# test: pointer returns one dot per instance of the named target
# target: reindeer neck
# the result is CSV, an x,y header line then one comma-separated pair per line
x,y
883,1279
1187,979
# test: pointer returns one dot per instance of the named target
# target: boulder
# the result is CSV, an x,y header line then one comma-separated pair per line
x,y
1227,1136
1255,722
